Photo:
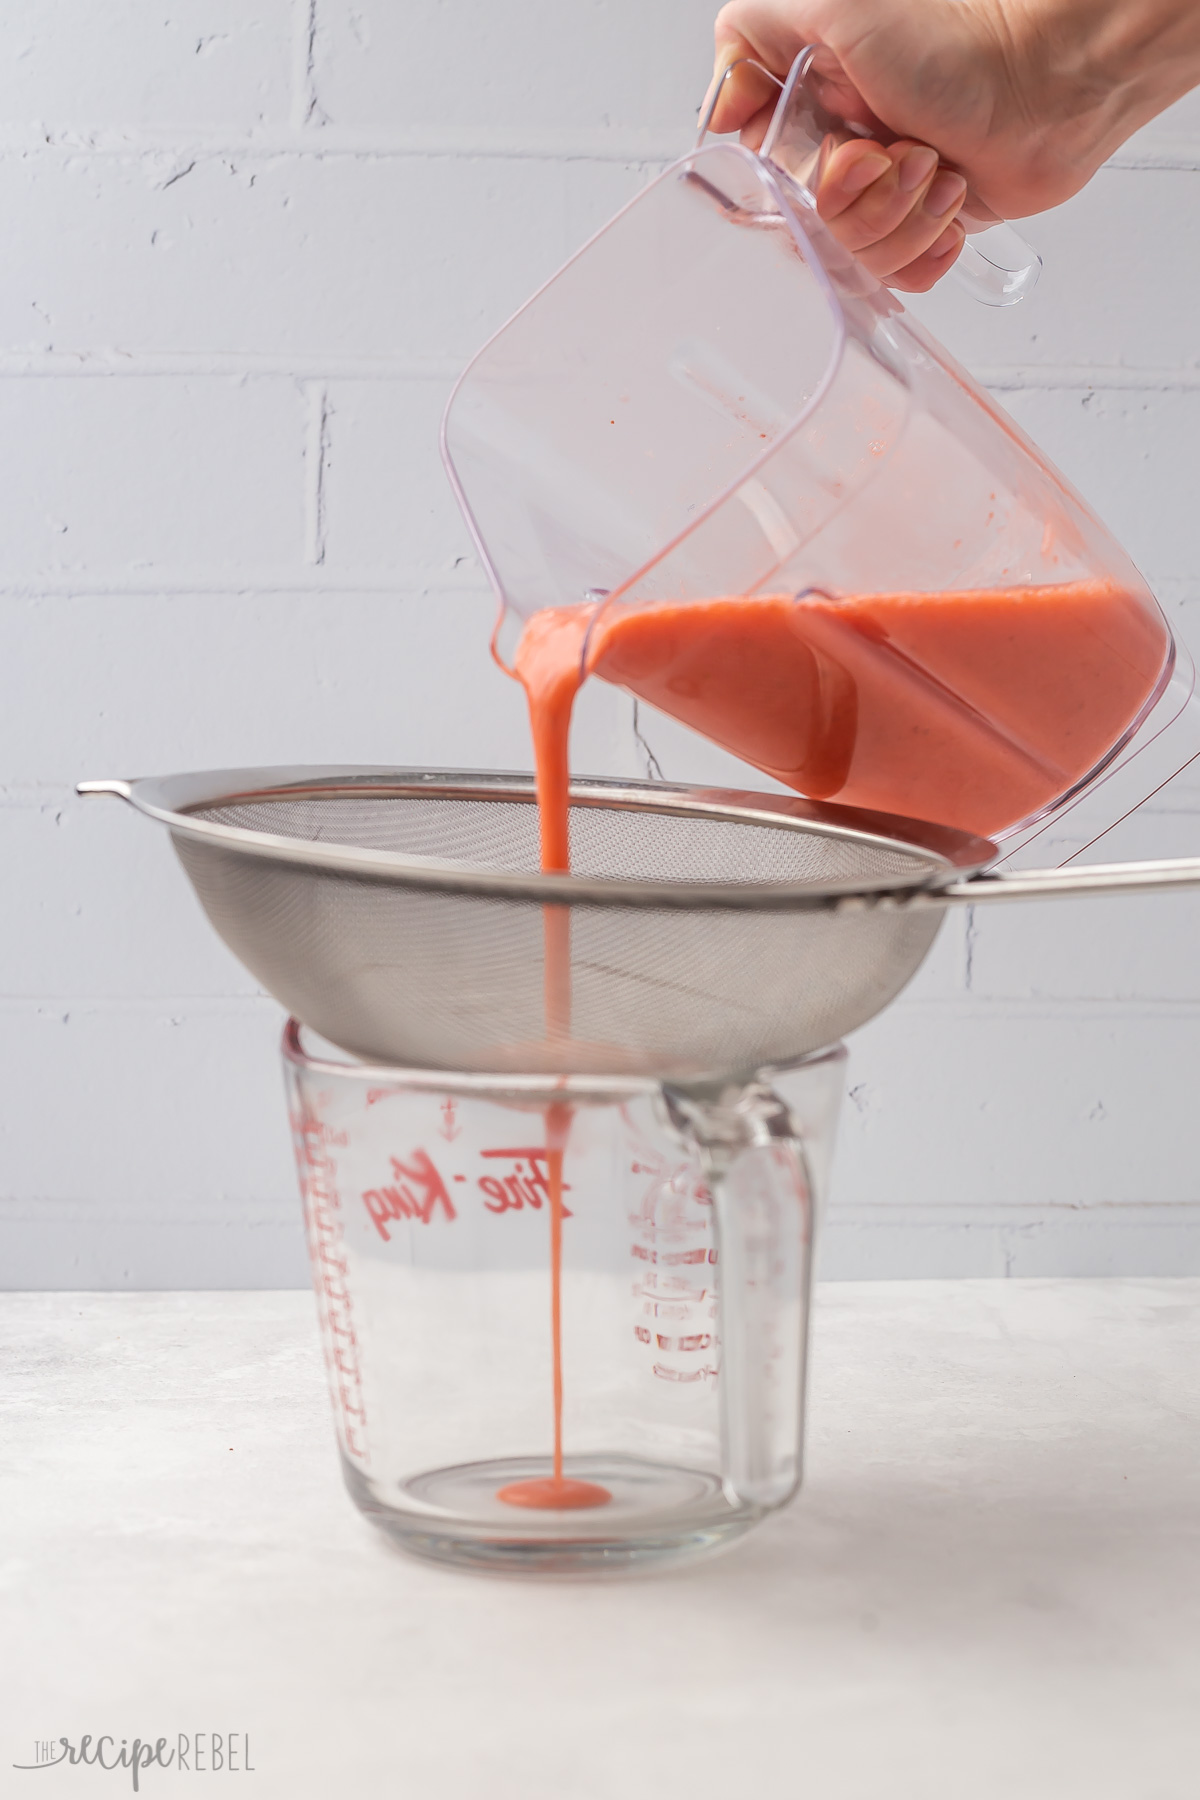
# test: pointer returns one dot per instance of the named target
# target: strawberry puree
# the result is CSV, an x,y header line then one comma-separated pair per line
x,y
975,709
551,679
548,668
557,1492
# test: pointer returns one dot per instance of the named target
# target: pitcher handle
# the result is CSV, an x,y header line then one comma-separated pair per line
x,y
995,266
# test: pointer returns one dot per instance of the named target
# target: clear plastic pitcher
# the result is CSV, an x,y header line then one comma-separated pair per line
x,y
799,526
674,1337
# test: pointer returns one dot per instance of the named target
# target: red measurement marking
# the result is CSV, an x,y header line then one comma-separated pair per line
x,y
681,1375
323,1221
672,1259
449,1127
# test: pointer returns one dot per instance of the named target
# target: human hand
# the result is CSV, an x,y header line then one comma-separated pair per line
x,y
1023,98
894,208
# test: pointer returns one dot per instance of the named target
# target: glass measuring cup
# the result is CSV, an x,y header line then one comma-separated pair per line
x,y
775,508
686,1252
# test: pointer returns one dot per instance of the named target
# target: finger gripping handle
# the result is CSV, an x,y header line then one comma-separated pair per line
x,y
995,266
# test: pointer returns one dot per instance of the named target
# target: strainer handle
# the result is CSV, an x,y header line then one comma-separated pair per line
x,y
121,790
1069,884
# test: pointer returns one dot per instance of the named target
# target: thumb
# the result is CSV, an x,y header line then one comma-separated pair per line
x,y
742,91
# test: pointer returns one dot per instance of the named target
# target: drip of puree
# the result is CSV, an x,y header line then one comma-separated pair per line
x,y
556,1492
551,697
550,708
975,709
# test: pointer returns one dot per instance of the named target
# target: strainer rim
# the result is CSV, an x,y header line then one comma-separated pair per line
x,y
173,800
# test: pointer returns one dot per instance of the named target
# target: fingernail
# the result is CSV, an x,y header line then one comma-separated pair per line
x,y
916,166
945,192
950,239
862,173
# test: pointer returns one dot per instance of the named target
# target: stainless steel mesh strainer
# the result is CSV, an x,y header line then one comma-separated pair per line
x,y
401,914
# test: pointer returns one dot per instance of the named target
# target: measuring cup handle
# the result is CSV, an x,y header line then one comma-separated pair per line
x,y
764,1241
762,1196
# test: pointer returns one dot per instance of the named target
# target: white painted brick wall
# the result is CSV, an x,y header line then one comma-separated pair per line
x,y
246,248
168,477
131,66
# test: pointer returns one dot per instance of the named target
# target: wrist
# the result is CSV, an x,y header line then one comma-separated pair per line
x,y
1107,65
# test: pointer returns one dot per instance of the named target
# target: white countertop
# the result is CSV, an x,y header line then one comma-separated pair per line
x,y
989,1587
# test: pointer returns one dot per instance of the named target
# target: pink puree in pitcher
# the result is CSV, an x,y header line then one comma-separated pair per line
x,y
975,709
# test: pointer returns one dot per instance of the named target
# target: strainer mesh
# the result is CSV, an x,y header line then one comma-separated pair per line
x,y
397,973
606,841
